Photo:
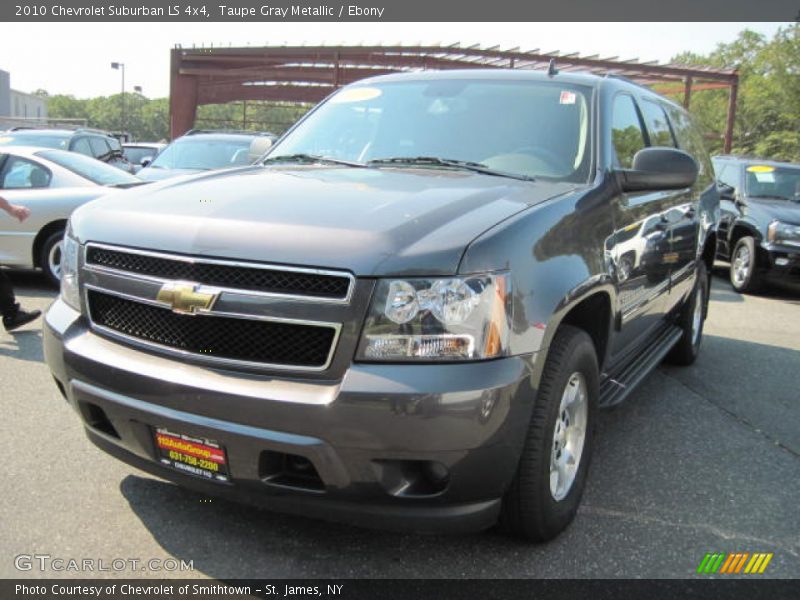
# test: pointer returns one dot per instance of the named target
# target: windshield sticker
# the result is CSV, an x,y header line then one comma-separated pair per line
x,y
760,169
567,98
5,140
359,94
762,177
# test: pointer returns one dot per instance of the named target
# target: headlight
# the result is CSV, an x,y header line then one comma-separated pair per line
x,y
783,232
70,292
453,318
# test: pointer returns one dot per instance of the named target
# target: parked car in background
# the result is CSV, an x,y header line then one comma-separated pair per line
x,y
409,313
89,142
759,230
141,154
52,183
204,150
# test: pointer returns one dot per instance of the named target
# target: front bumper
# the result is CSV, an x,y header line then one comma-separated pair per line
x,y
369,436
783,263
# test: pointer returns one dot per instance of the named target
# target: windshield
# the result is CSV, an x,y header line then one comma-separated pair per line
x,y
34,139
773,182
528,128
203,154
89,168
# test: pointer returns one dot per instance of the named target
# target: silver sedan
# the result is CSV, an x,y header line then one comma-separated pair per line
x,y
51,183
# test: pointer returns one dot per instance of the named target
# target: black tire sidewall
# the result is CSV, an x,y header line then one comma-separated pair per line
x,y
701,285
44,264
537,515
583,361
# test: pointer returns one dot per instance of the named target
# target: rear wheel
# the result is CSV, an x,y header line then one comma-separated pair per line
x,y
546,491
50,257
691,319
744,266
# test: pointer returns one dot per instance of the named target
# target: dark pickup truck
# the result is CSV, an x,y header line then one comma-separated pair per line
x,y
408,315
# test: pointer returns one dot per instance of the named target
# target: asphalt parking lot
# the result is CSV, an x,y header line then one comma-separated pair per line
x,y
699,459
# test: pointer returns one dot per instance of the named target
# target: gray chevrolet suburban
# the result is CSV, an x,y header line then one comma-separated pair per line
x,y
409,314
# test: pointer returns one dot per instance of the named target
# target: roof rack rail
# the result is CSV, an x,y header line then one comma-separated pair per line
x,y
93,130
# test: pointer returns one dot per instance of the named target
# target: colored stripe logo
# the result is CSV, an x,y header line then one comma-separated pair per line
x,y
734,563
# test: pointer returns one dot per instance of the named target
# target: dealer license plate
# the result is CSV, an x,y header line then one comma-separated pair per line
x,y
193,455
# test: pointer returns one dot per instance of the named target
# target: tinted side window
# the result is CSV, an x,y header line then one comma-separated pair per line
x,y
19,173
626,130
82,145
727,174
657,124
99,146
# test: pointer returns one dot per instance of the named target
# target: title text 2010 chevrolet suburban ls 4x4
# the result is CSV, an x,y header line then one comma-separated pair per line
x,y
410,313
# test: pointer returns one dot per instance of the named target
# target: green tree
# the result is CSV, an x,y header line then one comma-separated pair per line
x,y
768,108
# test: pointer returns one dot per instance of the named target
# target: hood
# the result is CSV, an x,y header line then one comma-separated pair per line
x,y
368,221
157,174
782,210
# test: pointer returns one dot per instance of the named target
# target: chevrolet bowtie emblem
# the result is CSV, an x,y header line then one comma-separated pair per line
x,y
185,297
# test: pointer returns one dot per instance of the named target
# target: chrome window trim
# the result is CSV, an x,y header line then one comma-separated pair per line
x,y
169,350
224,262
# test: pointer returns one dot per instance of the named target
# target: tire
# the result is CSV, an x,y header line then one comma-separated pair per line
x,y
532,509
744,274
50,257
691,320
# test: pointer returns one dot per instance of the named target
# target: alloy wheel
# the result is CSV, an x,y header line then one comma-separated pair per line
x,y
569,435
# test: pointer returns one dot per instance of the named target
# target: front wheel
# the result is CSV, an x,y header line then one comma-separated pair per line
x,y
546,491
50,257
744,266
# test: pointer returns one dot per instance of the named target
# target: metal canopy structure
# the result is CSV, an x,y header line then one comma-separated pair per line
x,y
307,74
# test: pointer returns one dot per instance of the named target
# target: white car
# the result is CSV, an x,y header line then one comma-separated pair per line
x,y
51,183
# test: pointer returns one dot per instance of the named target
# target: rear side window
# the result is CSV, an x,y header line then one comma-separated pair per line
x,y
20,174
690,140
626,130
99,146
657,124
82,145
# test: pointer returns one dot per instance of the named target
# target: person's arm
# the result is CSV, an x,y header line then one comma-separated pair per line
x,y
15,210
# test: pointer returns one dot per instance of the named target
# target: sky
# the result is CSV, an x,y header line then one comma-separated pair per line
x,y
74,58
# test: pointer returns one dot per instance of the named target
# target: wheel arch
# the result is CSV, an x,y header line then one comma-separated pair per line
x,y
43,234
593,313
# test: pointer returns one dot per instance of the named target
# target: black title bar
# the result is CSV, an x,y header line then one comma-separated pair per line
x,y
398,10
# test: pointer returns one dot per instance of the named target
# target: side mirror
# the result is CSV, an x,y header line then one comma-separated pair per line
x,y
659,169
726,192
258,148
146,160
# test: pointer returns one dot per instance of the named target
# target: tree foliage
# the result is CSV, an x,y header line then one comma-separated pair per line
x,y
768,108
767,118
148,119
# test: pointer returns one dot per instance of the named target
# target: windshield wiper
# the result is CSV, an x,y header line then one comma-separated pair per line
x,y
309,159
434,161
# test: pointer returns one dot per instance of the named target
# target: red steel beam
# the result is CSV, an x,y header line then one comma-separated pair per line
x,y
731,120
205,76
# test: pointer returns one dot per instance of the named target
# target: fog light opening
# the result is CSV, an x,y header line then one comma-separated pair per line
x,y
96,418
289,470
413,478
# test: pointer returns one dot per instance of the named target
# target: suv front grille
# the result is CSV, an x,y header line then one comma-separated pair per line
x,y
221,274
248,340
